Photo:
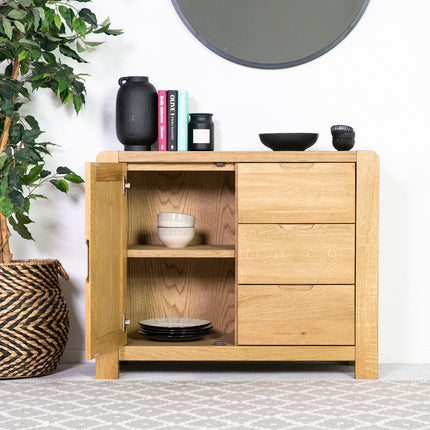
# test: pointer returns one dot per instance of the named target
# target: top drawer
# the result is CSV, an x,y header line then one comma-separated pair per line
x,y
296,192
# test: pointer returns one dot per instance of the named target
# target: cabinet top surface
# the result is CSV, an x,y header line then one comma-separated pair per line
x,y
226,156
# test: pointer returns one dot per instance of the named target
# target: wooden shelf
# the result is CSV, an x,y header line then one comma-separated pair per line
x,y
196,251
205,349
188,157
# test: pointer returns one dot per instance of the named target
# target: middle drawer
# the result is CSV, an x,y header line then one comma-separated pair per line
x,y
296,253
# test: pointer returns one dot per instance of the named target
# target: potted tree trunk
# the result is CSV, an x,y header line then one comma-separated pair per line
x,y
38,39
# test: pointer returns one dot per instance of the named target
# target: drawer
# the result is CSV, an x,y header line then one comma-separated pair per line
x,y
296,253
296,315
296,192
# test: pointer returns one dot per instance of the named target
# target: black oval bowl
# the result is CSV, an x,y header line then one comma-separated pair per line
x,y
288,141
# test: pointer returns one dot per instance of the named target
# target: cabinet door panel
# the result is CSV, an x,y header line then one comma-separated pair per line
x,y
296,192
296,253
106,226
296,314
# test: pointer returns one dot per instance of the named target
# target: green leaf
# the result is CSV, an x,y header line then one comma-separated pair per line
x,y
25,3
17,199
21,229
38,196
35,54
93,44
49,17
88,16
3,158
74,178
36,19
13,177
60,184
34,173
69,52
20,26
79,26
23,219
31,121
79,47
62,170
17,14
41,12
68,17
57,21
3,185
77,103
113,32
44,173
63,11
7,207
7,29
26,154
22,55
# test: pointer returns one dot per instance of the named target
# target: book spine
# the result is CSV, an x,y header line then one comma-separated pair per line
x,y
162,120
182,120
172,120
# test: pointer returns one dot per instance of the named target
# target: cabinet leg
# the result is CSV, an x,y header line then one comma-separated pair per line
x,y
366,369
107,365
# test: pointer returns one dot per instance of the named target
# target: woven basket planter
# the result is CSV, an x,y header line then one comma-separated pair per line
x,y
34,319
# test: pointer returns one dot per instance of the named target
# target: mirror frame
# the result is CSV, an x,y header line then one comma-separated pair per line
x,y
270,65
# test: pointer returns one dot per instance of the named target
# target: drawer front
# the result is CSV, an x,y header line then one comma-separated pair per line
x,y
296,253
296,192
296,315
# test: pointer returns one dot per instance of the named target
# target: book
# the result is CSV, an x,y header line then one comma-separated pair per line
x,y
172,120
162,120
182,120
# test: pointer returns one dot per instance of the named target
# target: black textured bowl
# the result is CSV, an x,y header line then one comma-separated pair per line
x,y
343,144
344,135
337,129
288,141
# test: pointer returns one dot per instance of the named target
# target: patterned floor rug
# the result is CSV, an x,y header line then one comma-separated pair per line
x,y
197,405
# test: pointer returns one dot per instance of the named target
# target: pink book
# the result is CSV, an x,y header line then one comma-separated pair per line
x,y
162,120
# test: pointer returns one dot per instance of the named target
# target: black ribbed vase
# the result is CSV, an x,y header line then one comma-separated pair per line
x,y
136,113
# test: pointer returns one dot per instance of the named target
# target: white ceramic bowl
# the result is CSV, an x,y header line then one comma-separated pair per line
x,y
175,219
175,237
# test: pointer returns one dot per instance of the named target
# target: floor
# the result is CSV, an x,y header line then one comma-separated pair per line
x,y
227,371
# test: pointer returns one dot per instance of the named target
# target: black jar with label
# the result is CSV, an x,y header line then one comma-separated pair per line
x,y
136,113
201,132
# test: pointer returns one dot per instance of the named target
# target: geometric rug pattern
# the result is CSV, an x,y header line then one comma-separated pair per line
x,y
216,405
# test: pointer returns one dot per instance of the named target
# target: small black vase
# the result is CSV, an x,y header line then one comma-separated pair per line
x,y
136,113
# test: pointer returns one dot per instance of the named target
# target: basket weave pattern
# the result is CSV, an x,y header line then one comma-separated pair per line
x,y
34,319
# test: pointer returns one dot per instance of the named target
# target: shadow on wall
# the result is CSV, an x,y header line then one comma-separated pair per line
x,y
395,238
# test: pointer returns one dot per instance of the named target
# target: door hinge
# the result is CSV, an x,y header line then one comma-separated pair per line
x,y
125,185
125,323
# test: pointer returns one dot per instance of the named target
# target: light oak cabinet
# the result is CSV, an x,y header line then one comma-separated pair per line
x,y
284,262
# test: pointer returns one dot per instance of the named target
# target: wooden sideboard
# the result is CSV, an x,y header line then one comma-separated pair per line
x,y
284,261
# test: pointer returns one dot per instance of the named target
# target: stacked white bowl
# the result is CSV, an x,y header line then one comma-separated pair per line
x,y
175,230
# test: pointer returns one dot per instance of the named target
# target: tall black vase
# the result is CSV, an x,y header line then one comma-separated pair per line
x,y
136,113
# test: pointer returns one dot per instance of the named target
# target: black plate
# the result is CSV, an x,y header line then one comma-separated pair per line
x,y
175,330
176,334
173,339
174,323
288,141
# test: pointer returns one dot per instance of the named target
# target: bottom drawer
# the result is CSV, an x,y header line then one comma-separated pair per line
x,y
296,315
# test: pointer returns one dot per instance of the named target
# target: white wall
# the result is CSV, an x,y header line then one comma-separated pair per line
x,y
376,80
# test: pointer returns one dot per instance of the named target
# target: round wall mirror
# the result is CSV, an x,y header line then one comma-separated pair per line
x,y
270,34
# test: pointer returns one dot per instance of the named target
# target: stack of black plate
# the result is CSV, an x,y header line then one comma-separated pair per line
x,y
175,329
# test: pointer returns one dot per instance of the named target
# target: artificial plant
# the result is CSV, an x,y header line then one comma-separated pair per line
x,y
38,39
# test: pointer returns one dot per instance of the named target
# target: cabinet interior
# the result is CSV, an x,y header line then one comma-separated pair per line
x,y
182,287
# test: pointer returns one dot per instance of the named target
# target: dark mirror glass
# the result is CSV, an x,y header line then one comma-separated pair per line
x,y
270,33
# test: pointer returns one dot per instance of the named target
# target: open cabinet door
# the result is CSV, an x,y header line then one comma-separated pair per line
x,y
106,238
